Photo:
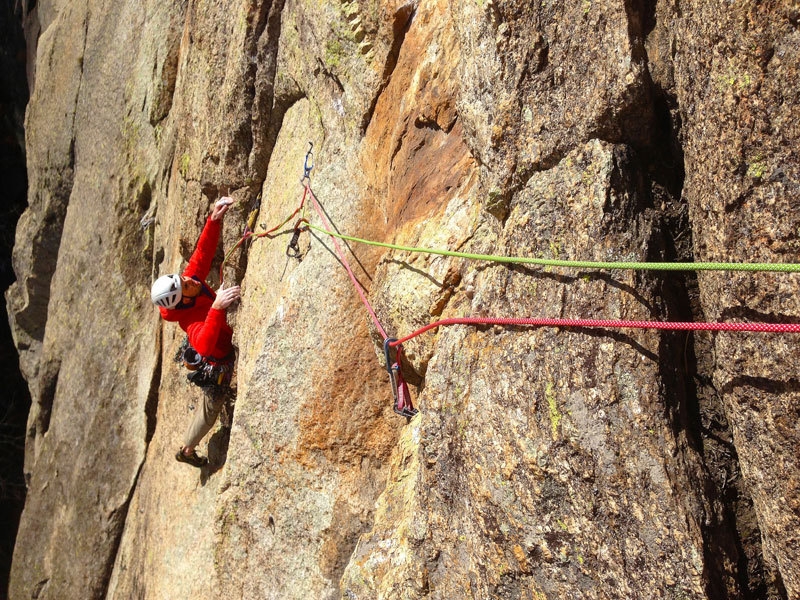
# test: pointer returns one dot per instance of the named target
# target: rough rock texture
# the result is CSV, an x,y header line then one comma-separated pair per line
x,y
742,180
545,463
15,400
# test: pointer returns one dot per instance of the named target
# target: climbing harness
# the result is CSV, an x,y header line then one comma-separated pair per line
x,y
402,396
400,390
207,373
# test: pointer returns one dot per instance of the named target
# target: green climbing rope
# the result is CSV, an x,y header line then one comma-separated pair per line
x,y
581,264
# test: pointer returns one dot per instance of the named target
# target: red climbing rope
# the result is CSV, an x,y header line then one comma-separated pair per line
x,y
601,323
343,259
524,322
544,322
402,396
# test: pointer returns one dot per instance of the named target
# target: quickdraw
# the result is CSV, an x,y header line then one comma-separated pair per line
x,y
402,395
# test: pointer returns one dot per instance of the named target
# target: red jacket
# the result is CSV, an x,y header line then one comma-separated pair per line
x,y
207,328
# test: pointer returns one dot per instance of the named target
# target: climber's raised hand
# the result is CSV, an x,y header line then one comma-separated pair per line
x,y
221,207
226,296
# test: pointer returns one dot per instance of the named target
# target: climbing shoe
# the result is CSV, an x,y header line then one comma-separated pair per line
x,y
191,459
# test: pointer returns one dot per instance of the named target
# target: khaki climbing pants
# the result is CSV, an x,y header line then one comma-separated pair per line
x,y
204,418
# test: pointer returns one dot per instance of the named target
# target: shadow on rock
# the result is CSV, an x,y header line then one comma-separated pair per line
x,y
217,453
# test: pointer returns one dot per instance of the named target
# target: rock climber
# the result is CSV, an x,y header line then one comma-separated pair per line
x,y
202,314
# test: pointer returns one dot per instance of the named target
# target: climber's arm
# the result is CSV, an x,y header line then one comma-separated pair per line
x,y
200,263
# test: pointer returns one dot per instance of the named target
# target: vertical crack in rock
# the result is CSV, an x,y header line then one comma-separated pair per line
x,y
401,23
263,151
756,580
116,527
251,135
730,531
267,99
151,404
165,71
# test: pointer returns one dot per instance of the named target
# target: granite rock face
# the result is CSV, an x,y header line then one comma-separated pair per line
x,y
544,463
742,177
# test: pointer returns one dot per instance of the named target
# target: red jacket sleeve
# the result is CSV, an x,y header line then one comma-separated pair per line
x,y
200,263
203,335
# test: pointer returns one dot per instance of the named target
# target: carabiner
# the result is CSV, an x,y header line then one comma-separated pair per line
x,y
293,249
306,166
402,398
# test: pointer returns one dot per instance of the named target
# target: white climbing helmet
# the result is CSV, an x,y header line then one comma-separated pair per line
x,y
166,291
